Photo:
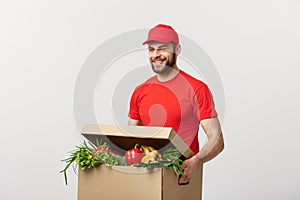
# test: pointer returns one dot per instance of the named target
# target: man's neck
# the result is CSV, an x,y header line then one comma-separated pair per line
x,y
168,75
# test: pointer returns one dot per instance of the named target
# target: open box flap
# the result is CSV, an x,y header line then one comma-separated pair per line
x,y
125,137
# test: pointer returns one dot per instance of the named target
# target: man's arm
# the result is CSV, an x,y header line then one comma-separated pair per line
x,y
134,122
215,142
211,149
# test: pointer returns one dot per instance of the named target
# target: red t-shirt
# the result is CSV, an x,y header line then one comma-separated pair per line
x,y
180,103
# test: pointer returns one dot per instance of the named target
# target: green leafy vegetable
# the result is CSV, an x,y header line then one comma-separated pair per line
x,y
170,159
88,156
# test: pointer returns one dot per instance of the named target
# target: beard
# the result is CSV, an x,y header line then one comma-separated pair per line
x,y
161,69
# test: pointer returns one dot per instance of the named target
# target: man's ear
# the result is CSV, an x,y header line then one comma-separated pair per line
x,y
178,49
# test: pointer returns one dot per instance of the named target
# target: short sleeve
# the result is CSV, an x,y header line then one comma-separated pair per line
x,y
204,104
133,107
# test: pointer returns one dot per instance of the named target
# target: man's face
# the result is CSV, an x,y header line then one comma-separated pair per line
x,y
162,56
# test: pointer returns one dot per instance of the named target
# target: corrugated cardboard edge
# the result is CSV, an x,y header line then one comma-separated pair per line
x,y
126,131
180,144
150,132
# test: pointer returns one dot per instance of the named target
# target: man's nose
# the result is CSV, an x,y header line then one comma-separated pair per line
x,y
156,53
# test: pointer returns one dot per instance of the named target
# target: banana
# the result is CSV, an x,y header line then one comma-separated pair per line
x,y
145,149
151,154
148,157
151,148
155,152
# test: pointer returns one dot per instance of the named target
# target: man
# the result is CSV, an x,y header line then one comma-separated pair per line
x,y
175,99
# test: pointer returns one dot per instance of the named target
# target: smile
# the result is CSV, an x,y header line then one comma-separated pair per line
x,y
158,62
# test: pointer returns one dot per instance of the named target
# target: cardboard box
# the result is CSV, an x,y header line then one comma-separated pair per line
x,y
127,182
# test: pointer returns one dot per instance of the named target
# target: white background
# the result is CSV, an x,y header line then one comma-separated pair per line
x,y
255,46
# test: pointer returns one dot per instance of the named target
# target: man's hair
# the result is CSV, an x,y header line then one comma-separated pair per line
x,y
174,46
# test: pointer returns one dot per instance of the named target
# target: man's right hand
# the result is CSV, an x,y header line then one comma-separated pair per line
x,y
134,122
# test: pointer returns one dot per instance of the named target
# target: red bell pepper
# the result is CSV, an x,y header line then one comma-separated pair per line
x,y
134,155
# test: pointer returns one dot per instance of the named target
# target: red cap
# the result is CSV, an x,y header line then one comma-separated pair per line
x,y
162,33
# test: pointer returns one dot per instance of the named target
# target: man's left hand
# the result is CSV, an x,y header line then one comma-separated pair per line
x,y
189,166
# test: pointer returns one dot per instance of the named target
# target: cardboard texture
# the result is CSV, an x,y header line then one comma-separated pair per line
x,y
127,182
125,137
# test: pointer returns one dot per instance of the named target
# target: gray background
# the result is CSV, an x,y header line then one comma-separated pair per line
x,y
254,45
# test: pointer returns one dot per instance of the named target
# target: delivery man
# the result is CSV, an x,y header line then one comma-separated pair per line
x,y
172,98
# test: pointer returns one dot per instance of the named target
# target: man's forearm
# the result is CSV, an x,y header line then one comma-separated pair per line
x,y
211,149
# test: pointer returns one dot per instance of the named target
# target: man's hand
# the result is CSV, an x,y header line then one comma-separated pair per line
x,y
189,166
134,122
211,149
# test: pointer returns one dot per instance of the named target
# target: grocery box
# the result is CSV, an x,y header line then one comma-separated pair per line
x,y
128,182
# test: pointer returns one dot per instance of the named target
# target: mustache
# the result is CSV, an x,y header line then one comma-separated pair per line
x,y
157,59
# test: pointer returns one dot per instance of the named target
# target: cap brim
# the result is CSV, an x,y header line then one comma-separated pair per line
x,y
147,41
